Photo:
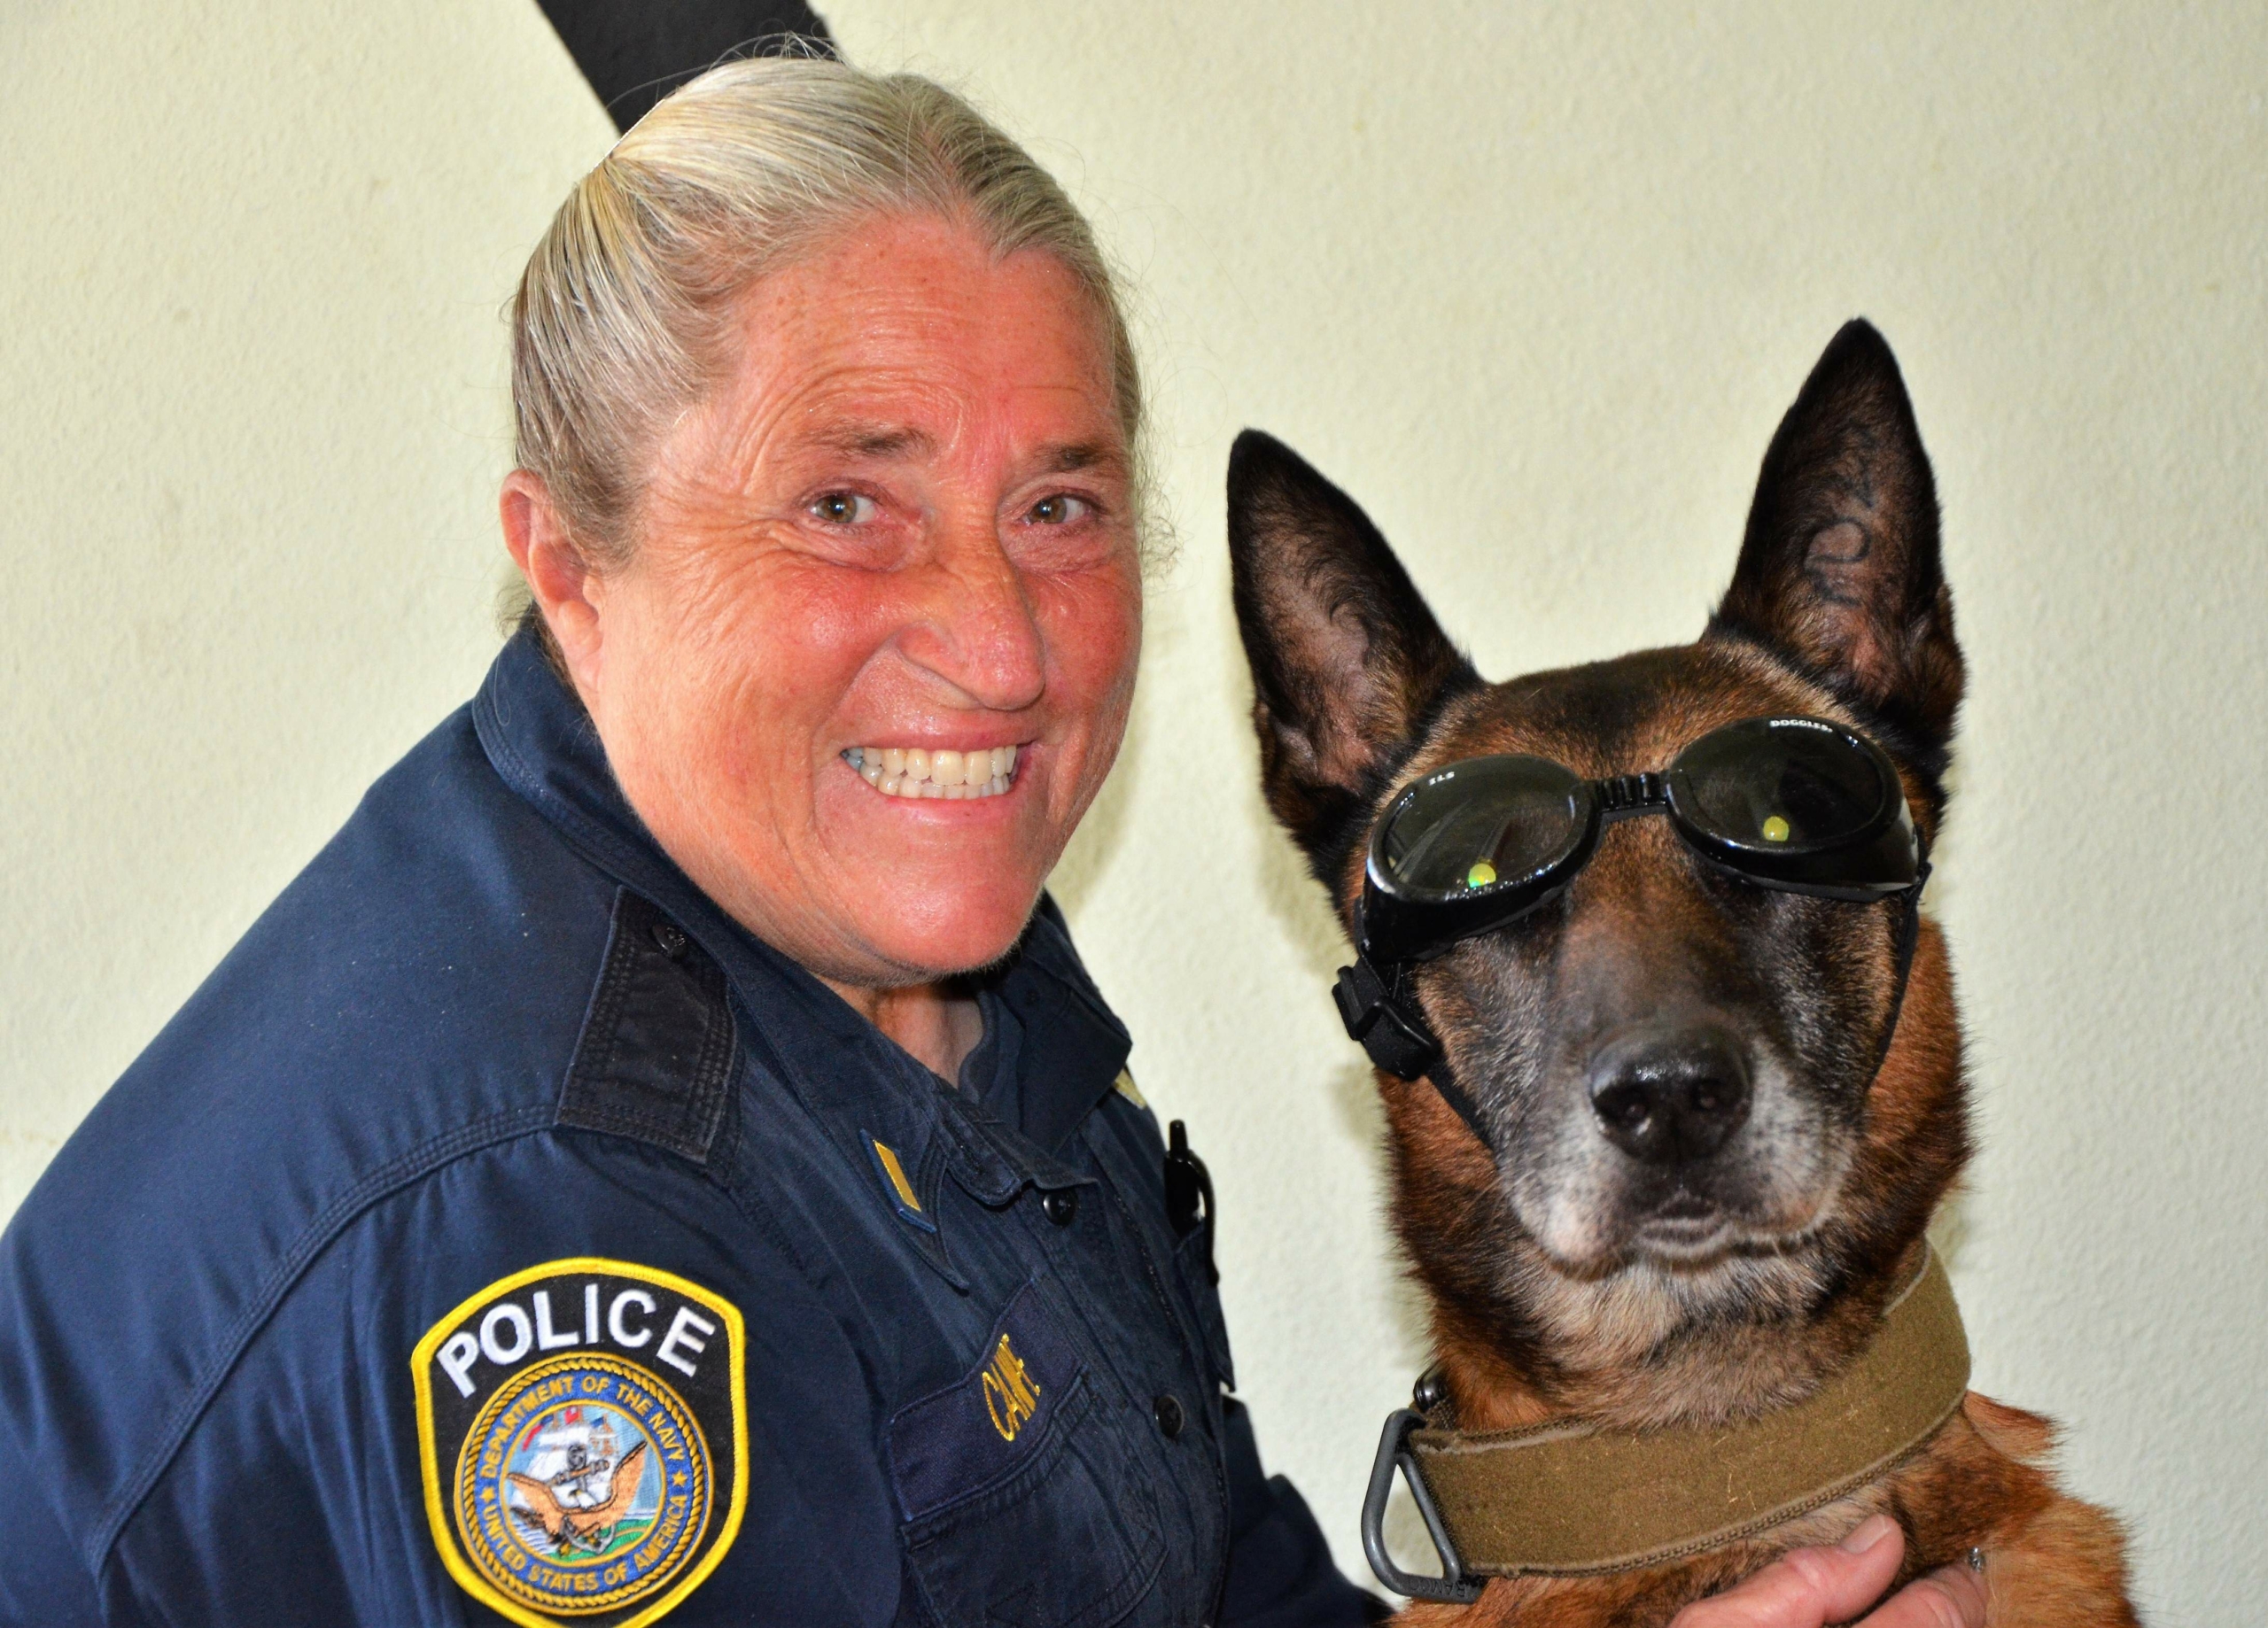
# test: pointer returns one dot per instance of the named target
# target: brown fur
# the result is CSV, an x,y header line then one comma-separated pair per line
x,y
1550,1296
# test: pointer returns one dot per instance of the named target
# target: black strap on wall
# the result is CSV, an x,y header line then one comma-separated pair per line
x,y
634,52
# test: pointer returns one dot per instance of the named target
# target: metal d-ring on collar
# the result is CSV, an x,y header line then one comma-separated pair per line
x,y
1453,1586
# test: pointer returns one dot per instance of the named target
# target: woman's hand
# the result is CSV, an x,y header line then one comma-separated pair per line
x,y
1808,1588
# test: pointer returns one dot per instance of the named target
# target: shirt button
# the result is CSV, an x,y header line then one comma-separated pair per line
x,y
1168,1408
669,938
1059,1205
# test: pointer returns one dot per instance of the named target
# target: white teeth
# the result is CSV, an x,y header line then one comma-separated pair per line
x,y
942,772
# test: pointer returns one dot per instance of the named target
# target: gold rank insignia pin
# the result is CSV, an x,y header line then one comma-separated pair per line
x,y
897,1187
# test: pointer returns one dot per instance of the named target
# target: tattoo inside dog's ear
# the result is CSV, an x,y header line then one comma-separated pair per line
x,y
1348,666
1839,570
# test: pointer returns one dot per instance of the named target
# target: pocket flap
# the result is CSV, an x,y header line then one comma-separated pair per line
x,y
982,1429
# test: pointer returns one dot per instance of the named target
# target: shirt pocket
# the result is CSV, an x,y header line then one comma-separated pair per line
x,y
1023,1508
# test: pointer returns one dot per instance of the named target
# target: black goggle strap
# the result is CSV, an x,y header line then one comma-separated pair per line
x,y
1385,1019
1909,935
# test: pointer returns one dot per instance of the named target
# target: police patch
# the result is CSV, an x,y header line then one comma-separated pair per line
x,y
580,1433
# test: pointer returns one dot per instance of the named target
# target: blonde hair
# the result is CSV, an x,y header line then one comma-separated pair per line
x,y
623,316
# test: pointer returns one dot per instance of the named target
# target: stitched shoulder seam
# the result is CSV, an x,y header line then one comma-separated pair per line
x,y
319,1233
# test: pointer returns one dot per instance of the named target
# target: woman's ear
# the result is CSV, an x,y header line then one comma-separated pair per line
x,y
557,573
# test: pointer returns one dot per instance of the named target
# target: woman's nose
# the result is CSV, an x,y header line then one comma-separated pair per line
x,y
978,631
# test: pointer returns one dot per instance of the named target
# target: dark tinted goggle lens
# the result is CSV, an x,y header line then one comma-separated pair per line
x,y
1781,786
1791,803
1485,823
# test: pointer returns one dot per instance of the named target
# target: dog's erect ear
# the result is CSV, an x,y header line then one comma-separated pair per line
x,y
1348,665
1839,569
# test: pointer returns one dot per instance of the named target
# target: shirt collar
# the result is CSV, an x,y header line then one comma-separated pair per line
x,y
1054,1048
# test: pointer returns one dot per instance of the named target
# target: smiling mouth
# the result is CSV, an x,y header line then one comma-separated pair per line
x,y
917,771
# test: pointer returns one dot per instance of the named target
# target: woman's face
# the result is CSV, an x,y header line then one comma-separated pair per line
x,y
899,532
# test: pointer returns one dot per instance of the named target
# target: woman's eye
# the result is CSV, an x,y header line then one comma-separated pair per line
x,y
1059,510
843,509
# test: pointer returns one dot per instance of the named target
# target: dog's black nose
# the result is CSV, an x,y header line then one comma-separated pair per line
x,y
1670,1098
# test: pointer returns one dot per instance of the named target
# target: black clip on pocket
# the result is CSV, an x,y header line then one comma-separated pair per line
x,y
1452,1587
1189,1194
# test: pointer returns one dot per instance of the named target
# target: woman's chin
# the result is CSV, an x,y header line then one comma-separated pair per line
x,y
953,943
963,879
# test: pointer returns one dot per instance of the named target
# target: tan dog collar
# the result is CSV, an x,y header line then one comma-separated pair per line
x,y
1570,1500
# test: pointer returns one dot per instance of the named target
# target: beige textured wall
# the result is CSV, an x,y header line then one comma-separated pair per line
x,y
1534,284
252,421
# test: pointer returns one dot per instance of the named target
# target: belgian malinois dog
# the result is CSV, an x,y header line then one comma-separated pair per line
x,y
1672,1100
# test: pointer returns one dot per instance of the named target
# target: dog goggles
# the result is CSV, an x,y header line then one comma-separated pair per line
x,y
1794,803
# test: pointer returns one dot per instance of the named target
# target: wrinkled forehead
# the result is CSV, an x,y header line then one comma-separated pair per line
x,y
898,328
1629,716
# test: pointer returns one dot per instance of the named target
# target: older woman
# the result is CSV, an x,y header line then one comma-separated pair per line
x,y
664,1154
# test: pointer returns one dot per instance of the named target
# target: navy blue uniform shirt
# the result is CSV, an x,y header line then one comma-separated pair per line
x,y
502,1234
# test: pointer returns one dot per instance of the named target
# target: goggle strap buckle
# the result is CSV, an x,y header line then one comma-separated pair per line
x,y
1396,1038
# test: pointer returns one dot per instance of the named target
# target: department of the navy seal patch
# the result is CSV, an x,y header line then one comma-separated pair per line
x,y
581,1436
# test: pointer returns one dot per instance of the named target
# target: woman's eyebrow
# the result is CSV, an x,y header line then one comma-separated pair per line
x,y
1065,457
874,440
880,439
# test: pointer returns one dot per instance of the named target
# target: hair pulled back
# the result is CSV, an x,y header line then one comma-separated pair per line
x,y
624,316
